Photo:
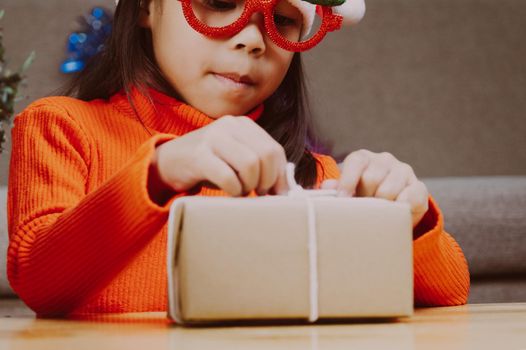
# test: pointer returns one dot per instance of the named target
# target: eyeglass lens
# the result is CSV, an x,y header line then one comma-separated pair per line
x,y
288,19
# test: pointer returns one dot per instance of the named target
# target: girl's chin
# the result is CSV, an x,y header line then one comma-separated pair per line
x,y
221,109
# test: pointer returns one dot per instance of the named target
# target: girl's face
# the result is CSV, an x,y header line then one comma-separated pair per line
x,y
204,71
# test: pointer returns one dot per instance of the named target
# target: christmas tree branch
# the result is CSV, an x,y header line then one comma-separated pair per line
x,y
9,84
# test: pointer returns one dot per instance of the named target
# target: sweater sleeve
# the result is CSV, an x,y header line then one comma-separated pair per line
x,y
441,275
326,168
65,244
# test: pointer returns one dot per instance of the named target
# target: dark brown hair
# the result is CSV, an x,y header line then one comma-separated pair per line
x,y
128,60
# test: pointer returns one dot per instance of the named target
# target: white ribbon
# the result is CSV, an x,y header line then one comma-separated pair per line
x,y
296,190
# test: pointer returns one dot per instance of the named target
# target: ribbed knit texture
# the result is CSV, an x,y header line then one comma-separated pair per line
x,y
85,237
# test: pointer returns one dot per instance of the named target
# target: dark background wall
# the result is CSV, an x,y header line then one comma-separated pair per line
x,y
441,84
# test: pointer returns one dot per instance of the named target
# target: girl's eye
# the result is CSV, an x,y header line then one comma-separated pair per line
x,y
283,21
218,5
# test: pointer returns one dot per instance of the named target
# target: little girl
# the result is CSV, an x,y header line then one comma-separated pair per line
x,y
184,100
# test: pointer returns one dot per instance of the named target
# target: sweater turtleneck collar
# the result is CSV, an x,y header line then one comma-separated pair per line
x,y
165,114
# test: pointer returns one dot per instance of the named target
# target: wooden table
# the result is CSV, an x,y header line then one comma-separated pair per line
x,y
475,326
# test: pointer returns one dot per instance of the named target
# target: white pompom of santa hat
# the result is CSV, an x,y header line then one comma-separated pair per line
x,y
352,12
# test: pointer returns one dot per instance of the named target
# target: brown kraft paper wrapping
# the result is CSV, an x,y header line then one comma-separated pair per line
x,y
233,259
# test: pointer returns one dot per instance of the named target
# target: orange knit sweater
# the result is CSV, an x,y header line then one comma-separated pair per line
x,y
85,237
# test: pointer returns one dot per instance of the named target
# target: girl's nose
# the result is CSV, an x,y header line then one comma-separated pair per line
x,y
252,37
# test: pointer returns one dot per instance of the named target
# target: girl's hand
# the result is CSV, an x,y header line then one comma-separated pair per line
x,y
233,153
381,175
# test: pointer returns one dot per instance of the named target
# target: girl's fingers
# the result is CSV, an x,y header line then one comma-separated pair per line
x,y
394,183
353,167
416,195
371,179
271,154
281,187
222,175
243,161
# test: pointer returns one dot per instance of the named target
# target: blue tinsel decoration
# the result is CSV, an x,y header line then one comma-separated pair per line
x,y
96,27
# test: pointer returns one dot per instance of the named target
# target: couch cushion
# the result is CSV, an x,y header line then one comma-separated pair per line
x,y
487,216
511,289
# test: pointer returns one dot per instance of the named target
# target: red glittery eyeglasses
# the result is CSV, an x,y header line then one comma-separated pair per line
x,y
284,23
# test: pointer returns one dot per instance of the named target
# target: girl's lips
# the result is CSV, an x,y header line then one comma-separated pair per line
x,y
238,77
232,83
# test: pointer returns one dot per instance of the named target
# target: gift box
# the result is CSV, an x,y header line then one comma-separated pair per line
x,y
305,256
